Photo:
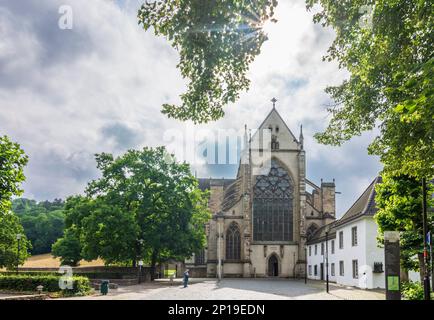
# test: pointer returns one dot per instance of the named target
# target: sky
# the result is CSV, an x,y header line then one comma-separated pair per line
x,y
71,88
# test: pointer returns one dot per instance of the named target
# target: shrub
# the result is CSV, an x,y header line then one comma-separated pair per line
x,y
81,285
412,291
90,275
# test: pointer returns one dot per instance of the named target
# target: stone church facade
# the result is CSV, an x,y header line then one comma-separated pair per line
x,y
261,219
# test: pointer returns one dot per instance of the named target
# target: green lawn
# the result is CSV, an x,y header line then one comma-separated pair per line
x,y
168,273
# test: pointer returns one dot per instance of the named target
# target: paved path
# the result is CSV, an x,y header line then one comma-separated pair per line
x,y
238,289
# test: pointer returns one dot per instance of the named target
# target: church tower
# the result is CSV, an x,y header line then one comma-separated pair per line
x,y
262,218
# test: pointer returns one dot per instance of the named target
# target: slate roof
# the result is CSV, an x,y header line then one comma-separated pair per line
x,y
231,189
205,183
320,233
364,206
232,195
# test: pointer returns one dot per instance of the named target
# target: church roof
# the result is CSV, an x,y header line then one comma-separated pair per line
x,y
231,189
320,234
231,195
205,183
364,206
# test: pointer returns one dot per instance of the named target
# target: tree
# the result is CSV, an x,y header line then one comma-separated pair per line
x,y
145,206
68,248
43,222
217,41
399,203
108,231
12,163
387,47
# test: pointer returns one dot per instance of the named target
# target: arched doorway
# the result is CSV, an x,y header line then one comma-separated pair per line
x,y
273,266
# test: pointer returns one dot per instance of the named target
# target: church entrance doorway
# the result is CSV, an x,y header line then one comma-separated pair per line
x,y
273,266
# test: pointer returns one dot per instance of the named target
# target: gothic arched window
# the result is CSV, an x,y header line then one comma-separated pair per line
x,y
233,242
273,205
199,258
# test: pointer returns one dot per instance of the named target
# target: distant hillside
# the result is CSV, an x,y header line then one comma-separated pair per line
x,y
43,222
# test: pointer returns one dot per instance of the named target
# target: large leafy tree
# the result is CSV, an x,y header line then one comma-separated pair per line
x,y
43,222
145,206
68,248
388,48
12,163
399,202
217,41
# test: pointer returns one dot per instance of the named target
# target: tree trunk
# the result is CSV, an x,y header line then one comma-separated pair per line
x,y
134,263
421,266
404,275
153,263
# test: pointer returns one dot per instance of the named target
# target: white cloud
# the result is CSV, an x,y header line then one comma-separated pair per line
x,y
67,94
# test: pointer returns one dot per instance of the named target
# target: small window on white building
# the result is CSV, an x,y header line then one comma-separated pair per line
x,y
355,269
316,249
315,270
333,246
322,249
310,270
354,236
332,269
310,251
341,268
341,239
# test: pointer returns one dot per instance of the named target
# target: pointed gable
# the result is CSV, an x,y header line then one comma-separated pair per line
x,y
278,127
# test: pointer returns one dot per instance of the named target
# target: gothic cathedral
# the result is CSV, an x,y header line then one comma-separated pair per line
x,y
262,218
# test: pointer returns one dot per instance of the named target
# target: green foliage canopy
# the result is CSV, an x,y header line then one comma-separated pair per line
x,y
68,248
399,203
43,222
217,41
145,206
391,81
12,163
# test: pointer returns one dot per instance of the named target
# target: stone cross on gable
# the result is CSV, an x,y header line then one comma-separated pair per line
x,y
274,100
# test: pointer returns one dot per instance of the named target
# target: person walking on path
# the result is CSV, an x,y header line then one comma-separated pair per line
x,y
186,276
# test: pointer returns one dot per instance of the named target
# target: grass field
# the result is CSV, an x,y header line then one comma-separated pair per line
x,y
167,273
48,261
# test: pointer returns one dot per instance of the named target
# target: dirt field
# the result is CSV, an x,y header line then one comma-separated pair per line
x,y
48,261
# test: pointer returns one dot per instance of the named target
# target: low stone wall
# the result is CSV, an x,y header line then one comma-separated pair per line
x,y
99,272
196,271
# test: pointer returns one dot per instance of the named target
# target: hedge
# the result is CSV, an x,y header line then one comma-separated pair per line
x,y
90,275
81,285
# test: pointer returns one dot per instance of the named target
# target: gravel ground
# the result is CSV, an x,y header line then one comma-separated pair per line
x,y
239,289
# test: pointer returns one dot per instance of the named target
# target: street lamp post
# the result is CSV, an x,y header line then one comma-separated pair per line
x,y
305,265
426,284
140,264
327,261
18,250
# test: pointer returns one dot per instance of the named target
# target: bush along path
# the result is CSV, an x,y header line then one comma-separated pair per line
x,y
50,284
